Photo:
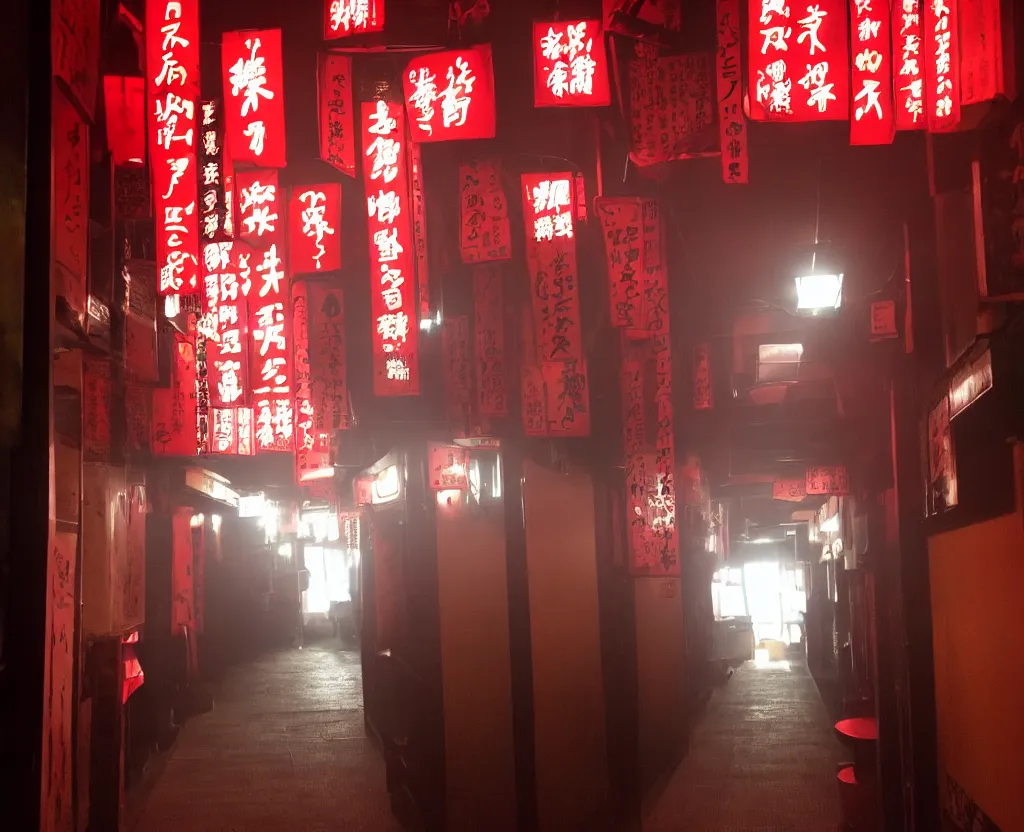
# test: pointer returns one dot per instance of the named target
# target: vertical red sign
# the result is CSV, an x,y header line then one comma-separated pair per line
x,y
96,401
254,97
174,408
172,80
124,107
337,122
314,229
260,206
570,65
568,398
703,395
732,123
450,95
871,108
551,258
211,172
458,371
227,269
327,357
70,148
489,341
981,51
533,399
941,47
393,301
799,60
312,447
486,234
908,64
621,226
75,33
352,17
419,226
223,431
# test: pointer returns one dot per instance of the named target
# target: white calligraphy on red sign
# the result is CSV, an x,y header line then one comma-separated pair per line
x,y
352,17
570,67
450,95
254,97
315,223
172,60
871,108
908,64
942,64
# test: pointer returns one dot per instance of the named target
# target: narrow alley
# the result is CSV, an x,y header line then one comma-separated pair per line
x,y
762,757
283,748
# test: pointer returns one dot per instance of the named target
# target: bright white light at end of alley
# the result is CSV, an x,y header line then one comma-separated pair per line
x,y
819,292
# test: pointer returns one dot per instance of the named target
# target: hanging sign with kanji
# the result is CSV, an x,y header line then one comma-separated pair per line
x,y
212,208
732,123
75,33
799,60
312,446
570,65
533,400
827,479
568,398
457,370
314,229
96,401
138,405
393,300
908,64
260,221
551,262
450,95
489,341
703,392
228,279
254,97
792,491
631,389
672,108
872,120
981,51
174,408
419,227
941,55
327,357
448,466
352,17
621,221
486,234
334,103
172,81
655,275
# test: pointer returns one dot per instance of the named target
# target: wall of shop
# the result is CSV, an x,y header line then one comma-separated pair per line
x,y
976,577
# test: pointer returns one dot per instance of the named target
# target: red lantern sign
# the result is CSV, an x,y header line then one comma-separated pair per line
x,y
941,57
352,17
172,61
395,333
314,223
570,65
799,60
551,258
908,64
259,209
450,95
254,97
871,108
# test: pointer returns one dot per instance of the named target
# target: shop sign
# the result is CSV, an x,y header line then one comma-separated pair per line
x,y
871,108
908,64
352,17
732,123
827,480
337,119
941,56
486,232
450,95
570,65
314,240
621,221
211,172
254,97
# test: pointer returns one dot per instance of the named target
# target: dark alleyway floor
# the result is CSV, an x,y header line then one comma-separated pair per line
x,y
762,758
283,749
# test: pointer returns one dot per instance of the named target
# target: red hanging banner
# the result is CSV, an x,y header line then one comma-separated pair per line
x,y
124,109
827,479
486,233
254,97
227,277
941,47
570,65
621,226
174,408
568,398
271,372
655,274
450,95
352,17
551,259
334,104
631,385
312,446
672,107
419,227
75,34
223,431
183,609
314,226
458,372
489,336
534,401
260,205
393,301
908,64
449,467
981,51
70,150
96,400
732,123
137,414
213,207
871,109
799,60
327,357
172,80
650,507
792,491
703,395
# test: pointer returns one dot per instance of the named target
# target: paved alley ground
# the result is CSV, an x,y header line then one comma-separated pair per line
x,y
762,758
283,749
